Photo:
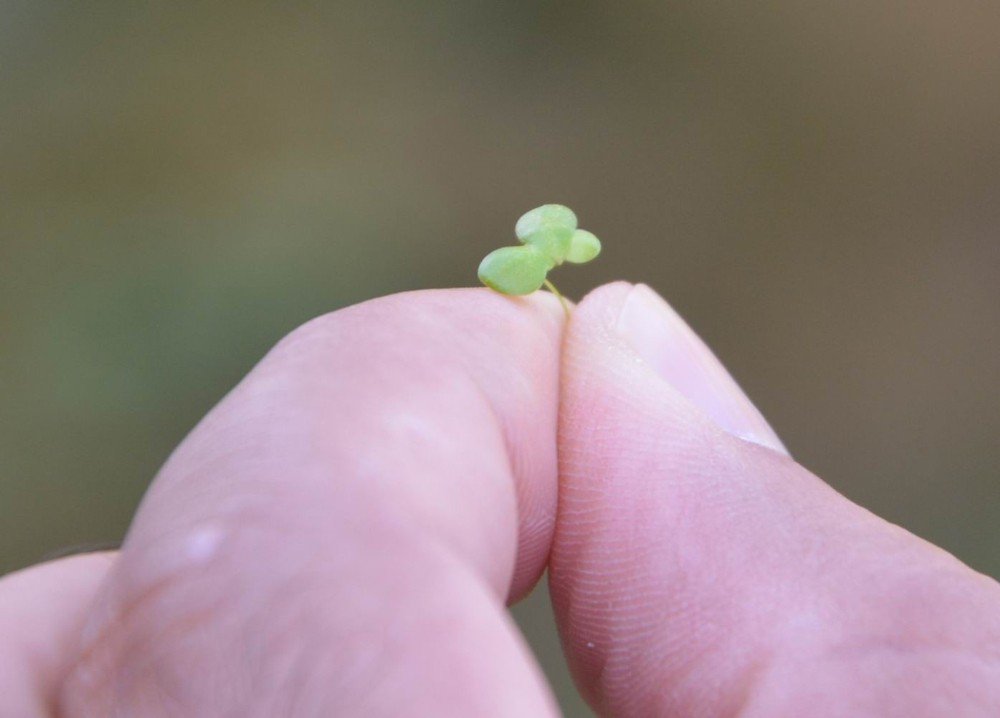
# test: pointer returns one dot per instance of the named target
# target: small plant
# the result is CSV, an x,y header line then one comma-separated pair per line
x,y
549,237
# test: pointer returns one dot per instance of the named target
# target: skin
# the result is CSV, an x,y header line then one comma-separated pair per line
x,y
341,534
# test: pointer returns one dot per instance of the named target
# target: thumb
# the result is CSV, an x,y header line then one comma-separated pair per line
x,y
697,570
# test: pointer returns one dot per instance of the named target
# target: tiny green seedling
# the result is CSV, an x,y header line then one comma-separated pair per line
x,y
549,237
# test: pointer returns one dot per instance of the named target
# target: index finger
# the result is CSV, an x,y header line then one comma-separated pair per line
x,y
340,534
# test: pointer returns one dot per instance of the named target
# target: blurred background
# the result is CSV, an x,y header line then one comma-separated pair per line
x,y
814,185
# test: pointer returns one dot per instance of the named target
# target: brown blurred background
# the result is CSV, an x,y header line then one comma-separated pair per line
x,y
814,185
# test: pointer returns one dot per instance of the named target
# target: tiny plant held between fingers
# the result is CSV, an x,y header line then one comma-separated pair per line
x,y
549,237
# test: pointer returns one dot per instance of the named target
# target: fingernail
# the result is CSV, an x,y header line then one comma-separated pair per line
x,y
665,342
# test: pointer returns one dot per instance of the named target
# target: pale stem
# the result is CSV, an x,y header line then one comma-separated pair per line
x,y
562,300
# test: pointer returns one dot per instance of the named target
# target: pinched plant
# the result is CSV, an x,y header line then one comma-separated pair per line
x,y
549,237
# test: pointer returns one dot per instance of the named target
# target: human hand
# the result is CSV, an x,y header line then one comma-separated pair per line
x,y
340,535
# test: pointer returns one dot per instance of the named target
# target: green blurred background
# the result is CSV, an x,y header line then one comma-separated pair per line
x,y
814,185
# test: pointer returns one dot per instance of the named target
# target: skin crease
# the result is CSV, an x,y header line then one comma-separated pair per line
x,y
340,535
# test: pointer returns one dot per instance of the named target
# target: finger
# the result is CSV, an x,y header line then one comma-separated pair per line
x,y
339,535
41,610
694,572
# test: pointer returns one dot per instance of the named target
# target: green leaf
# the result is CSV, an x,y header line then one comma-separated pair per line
x,y
515,270
548,216
551,241
584,246
549,237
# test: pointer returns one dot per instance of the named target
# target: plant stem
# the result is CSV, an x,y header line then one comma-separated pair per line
x,y
562,300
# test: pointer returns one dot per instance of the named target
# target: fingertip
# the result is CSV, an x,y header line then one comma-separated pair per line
x,y
387,473
645,330
645,559
604,302
688,558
